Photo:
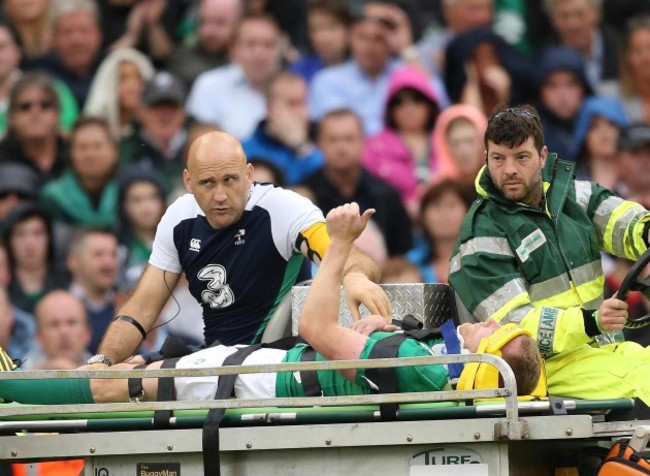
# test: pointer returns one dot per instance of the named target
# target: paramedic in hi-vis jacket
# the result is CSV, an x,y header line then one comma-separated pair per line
x,y
529,253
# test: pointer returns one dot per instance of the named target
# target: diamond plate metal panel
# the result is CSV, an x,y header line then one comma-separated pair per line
x,y
430,303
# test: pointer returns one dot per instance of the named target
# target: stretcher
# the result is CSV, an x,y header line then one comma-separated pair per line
x,y
484,432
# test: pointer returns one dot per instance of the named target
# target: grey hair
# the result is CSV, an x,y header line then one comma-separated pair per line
x,y
61,8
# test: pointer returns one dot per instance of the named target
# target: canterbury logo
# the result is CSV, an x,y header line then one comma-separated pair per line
x,y
195,244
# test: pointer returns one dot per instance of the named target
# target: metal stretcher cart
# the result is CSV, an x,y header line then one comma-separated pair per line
x,y
434,433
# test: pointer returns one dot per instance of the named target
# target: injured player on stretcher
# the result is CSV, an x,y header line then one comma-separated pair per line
x,y
325,340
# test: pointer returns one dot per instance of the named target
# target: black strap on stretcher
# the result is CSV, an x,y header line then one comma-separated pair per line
x,y
309,378
211,458
166,393
386,378
136,390
225,389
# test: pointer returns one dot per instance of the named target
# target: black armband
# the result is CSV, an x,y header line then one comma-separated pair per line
x,y
591,325
135,323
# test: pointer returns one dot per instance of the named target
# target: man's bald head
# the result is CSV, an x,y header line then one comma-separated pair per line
x,y
62,326
219,177
215,147
58,299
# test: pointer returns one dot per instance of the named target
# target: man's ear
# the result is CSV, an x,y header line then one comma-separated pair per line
x,y
186,181
543,156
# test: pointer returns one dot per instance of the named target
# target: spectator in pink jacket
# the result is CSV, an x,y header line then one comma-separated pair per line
x,y
458,144
401,154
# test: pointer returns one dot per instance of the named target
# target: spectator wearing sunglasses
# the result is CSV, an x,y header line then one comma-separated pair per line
x,y
33,133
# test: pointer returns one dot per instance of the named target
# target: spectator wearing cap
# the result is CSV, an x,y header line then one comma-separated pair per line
x,y
33,137
217,20
285,137
77,40
18,184
160,135
633,162
361,83
562,87
86,194
233,97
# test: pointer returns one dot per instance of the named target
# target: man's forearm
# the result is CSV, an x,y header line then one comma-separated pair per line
x,y
360,263
321,305
122,338
120,342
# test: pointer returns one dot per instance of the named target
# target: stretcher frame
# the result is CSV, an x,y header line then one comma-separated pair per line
x,y
501,442
502,438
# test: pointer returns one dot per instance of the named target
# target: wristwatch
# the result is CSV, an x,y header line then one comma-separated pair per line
x,y
100,359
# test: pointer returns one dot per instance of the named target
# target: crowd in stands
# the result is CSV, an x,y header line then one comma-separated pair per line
x,y
380,102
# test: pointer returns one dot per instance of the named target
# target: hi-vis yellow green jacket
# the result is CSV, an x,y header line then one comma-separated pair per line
x,y
542,269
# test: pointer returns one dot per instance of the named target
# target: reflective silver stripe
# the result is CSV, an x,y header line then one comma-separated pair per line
x,y
583,193
618,237
603,214
454,263
499,298
483,244
549,288
593,304
546,330
517,315
587,272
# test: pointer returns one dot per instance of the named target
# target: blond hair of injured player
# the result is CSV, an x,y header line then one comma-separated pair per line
x,y
320,328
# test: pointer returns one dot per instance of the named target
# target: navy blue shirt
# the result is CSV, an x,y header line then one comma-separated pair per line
x,y
240,273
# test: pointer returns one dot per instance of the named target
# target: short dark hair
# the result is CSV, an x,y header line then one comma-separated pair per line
x,y
524,359
337,114
251,17
512,126
281,76
337,9
79,235
87,121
